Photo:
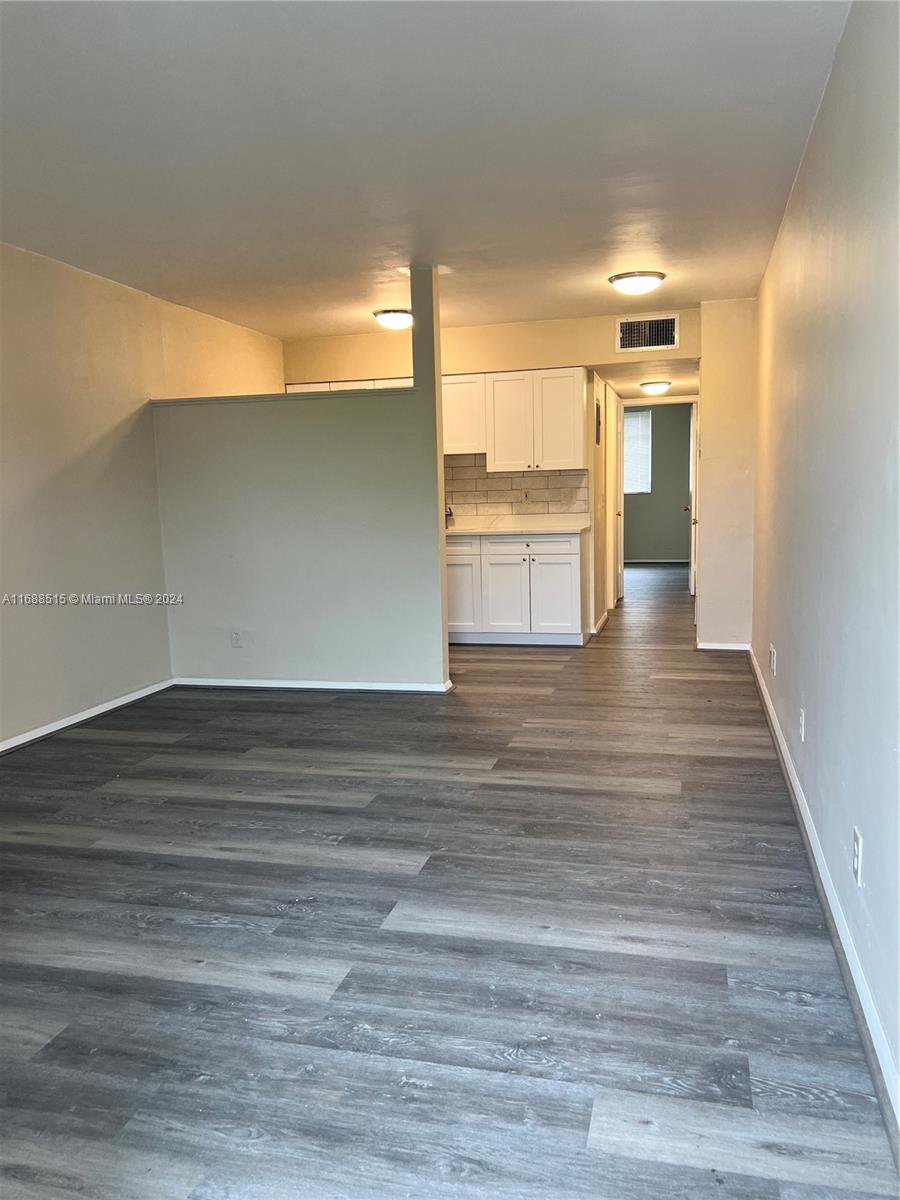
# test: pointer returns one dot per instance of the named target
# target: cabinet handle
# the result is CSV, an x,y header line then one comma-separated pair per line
x,y
524,560
537,466
532,560
528,468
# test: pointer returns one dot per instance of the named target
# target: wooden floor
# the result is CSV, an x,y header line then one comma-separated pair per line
x,y
551,936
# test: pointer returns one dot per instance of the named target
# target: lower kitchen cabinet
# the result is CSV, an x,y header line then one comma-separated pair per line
x,y
555,593
464,607
505,592
525,589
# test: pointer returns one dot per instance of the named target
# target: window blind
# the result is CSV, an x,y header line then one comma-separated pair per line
x,y
637,449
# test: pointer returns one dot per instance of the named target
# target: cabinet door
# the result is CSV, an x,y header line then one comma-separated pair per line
x,y
464,593
505,593
560,418
404,381
463,409
555,593
352,385
509,411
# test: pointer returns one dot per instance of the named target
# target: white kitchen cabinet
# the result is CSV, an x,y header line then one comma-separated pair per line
x,y
505,591
536,420
352,385
509,414
464,598
555,581
462,400
560,420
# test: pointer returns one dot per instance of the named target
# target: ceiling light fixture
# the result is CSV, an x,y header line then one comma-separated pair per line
x,y
393,318
636,283
656,387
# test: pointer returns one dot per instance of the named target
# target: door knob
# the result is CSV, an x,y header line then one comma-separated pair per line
x,y
687,508
694,521
619,513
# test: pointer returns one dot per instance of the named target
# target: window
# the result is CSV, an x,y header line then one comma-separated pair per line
x,y
637,450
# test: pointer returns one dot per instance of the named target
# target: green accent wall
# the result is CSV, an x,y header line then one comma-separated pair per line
x,y
656,525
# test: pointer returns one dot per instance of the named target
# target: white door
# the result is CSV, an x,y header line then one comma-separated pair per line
x,y
505,590
509,412
463,408
555,593
464,593
559,420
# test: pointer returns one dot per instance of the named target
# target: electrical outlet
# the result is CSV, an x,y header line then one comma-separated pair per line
x,y
802,724
236,640
857,856
773,660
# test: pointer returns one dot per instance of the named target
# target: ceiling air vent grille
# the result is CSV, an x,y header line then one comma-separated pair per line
x,y
647,333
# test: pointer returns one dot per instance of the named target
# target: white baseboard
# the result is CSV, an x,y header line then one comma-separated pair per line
x,y
601,624
33,735
880,1045
318,685
744,646
519,639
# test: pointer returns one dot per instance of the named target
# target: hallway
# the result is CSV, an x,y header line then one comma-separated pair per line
x,y
550,937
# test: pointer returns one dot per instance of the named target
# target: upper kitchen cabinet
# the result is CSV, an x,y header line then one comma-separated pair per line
x,y
560,419
463,409
536,420
509,415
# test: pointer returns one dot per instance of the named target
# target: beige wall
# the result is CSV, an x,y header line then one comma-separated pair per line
x,y
728,371
311,527
527,345
79,356
826,542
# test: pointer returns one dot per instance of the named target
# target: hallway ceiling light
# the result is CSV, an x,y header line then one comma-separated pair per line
x,y
394,318
636,283
656,387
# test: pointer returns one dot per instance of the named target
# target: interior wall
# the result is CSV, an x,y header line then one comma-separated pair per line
x,y
527,345
327,562
79,355
728,375
657,527
826,541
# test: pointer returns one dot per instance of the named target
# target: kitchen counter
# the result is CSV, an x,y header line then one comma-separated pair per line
x,y
541,523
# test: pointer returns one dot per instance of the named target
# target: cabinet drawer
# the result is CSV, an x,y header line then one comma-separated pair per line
x,y
462,544
542,543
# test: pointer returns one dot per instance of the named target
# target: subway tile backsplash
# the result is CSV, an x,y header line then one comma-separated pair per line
x,y
469,490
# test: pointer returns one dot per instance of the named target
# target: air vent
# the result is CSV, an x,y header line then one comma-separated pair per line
x,y
647,333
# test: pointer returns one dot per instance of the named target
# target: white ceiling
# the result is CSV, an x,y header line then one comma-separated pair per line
x,y
274,163
626,378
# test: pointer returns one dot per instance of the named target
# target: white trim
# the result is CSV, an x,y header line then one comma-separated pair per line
x,y
876,1030
601,624
743,646
519,639
318,685
32,735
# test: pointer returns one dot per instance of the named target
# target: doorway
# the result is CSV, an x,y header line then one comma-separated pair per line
x,y
657,535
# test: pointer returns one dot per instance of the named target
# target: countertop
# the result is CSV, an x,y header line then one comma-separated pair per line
x,y
557,523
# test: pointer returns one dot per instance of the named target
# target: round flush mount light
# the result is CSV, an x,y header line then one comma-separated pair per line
x,y
636,283
393,318
656,387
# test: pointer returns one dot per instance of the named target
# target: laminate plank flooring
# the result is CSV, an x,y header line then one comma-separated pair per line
x,y
552,936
